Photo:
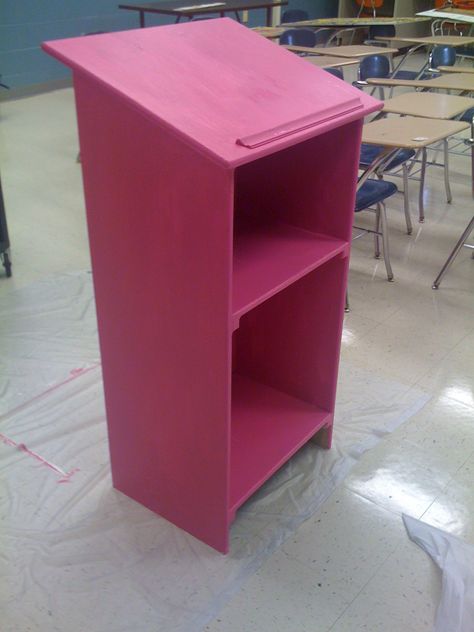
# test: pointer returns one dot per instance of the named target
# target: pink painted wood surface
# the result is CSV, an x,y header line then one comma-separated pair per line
x,y
255,90
192,234
269,257
161,260
268,427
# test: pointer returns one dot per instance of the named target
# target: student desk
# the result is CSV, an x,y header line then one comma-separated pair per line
x,y
459,81
351,22
437,40
270,32
428,105
354,51
327,61
465,69
431,105
449,14
190,8
411,132
342,51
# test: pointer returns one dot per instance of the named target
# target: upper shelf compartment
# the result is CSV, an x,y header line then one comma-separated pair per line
x,y
269,257
218,85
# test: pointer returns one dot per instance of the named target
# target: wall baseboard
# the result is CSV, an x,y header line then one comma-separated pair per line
x,y
37,88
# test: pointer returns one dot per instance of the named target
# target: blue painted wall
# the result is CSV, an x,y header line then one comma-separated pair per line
x,y
24,24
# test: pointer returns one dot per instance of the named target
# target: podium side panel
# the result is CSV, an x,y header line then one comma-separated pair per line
x,y
160,220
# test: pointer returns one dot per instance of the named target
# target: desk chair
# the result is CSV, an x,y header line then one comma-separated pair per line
x,y
373,193
294,15
298,37
335,72
454,253
439,56
379,30
371,196
325,36
368,153
373,66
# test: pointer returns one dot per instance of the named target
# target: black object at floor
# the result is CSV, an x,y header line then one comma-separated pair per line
x,y
4,240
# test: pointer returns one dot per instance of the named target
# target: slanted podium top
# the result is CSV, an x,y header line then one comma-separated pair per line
x,y
218,85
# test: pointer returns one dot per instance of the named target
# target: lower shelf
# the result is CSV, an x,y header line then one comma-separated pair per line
x,y
268,427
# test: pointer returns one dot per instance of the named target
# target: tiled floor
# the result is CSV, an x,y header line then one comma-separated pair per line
x,y
351,566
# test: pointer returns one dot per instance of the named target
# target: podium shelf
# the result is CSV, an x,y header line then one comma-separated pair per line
x,y
269,257
267,428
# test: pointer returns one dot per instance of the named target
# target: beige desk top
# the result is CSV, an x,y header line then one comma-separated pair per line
x,y
304,49
354,51
357,22
452,14
409,131
463,82
466,69
428,105
326,61
443,40
270,32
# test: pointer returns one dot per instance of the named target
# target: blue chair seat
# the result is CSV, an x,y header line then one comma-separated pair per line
x,y
413,74
372,192
468,115
368,153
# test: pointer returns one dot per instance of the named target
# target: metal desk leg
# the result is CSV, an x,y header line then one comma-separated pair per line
x,y
406,199
452,256
447,186
421,204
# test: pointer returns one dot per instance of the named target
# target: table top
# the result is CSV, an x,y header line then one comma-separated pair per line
x,y
455,15
310,50
409,131
183,7
270,32
348,21
433,40
461,81
428,105
465,69
326,61
354,51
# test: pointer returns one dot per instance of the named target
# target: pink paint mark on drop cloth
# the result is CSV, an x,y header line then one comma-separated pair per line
x,y
65,476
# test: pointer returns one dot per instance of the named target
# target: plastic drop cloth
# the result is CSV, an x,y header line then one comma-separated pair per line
x,y
455,559
77,555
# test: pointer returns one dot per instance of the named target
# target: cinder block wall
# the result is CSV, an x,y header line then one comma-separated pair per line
x,y
24,24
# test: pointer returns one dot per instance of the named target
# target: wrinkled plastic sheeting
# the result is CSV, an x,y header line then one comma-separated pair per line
x,y
48,330
78,555
455,558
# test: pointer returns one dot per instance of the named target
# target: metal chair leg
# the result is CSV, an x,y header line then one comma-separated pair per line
x,y
347,308
447,186
377,232
454,253
471,142
421,205
386,250
406,200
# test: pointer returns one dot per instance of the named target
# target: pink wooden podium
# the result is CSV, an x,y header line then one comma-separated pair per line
x,y
219,174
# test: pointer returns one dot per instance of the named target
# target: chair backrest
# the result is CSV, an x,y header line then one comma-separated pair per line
x,y
298,37
381,30
335,72
442,56
324,35
294,15
374,66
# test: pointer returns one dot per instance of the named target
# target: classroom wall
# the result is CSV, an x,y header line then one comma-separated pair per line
x,y
24,24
